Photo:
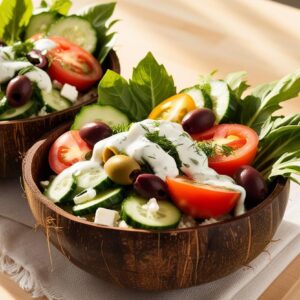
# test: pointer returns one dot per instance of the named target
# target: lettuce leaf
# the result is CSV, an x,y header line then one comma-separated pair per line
x,y
14,16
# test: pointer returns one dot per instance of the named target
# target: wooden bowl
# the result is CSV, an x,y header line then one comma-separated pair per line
x,y
149,260
18,135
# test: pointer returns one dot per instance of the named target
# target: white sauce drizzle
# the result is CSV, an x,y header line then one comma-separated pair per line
x,y
136,145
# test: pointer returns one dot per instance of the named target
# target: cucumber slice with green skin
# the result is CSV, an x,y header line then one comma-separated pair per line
x,y
199,96
93,178
54,101
40,23
3,105
95,112
107,199
21,112
133,213
224,106
76,30
62,188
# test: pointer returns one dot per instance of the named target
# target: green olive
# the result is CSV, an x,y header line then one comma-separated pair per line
x,y
122,169
108,152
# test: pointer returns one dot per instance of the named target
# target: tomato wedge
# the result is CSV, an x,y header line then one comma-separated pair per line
x,y
73,65
201,200
174,108
244,144
68,149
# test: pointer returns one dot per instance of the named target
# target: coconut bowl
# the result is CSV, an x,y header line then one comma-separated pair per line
x,y
17,136
149,260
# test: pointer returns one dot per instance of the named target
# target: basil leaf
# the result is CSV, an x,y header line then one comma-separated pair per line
x,y
237,83
149,86
61,6
266,99
114,90
98,16
14,16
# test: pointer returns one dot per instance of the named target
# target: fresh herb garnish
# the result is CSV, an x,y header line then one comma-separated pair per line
x,y
212,149
150,85
26,70
120,128
165,144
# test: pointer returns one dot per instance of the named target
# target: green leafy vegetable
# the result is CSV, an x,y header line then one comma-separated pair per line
x,y
266,99
61,6
14,16
98,16
149,86
120,128
237,83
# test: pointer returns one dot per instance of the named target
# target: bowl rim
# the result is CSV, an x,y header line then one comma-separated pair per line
x,y
112,55
281,184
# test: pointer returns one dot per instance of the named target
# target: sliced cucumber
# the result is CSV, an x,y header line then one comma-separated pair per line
x,y
106,199
21,112
223,104
77,30
40,23
54,101
62,188
95,112
133,213
93,177
199,96
3,105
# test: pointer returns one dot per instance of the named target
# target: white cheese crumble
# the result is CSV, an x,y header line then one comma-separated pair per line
x,y
151,206
85,196
106,217
69,92
123,224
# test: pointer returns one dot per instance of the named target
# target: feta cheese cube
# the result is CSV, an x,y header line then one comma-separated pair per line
x,y
69,92
123,224
106,217
151,206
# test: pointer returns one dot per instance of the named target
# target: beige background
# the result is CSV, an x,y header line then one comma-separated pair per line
x,y
192,37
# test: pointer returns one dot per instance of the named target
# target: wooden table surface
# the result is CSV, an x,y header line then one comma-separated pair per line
x,y
192,37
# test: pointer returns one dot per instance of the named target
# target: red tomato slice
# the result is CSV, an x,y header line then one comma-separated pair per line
x,y
68,149
245,147
73,65
201,200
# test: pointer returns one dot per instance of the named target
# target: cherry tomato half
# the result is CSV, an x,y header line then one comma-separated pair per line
x,y
68,149
173,109
201,200
244,143
73,65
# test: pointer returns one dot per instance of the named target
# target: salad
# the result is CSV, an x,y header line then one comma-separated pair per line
x,y
147,156
49,59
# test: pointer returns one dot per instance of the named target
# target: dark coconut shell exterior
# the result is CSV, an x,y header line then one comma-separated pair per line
x,y
149,260
17,136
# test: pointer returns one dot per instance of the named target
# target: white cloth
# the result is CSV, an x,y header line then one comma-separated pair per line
x,y
24,251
